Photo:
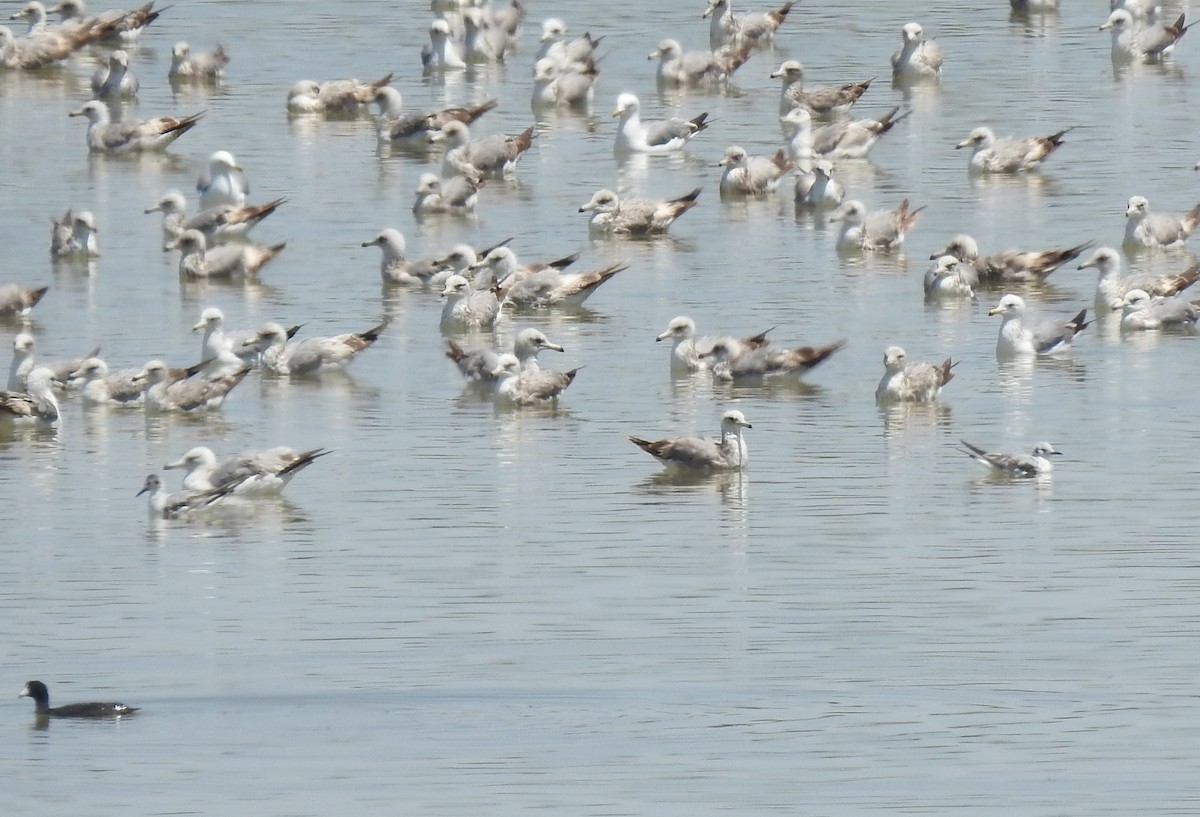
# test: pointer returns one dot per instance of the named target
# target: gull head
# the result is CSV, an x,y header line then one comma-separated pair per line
x,y
1136,299
978,138
172,202
534,339
439,31
507,365
713,5
735,156
603,201
627,104
428,183
304,88
41,381
198,456
33,11
181,50
95,111
118,59
456,287
797,119
152,485
894,359
553,29
223,160
391,241
87,220
268,334
1009,306
454,133
188,242
1104,259
912,32
154,372
545,71
90,369
961,246
679,327
501,259
23,344
667,50
823,167
1118,21
945,266
734,419
850,212
209,317
790,71
1137,207
1045,449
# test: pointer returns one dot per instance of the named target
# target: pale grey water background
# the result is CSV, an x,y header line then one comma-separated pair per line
x,y
473,611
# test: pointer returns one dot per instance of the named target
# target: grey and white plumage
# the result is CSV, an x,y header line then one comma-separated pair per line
x,y
1145,229
1111,286
118,25
237,260
565,55
1142,311
752,175
917,58
950,277
197,66
911,382
457,195
166,391
479,365
819,100
131,135
467,307
1142,10
695,68
499,264
728,453
655,136
540,285
1015,465
222,346
338,96
565,88
35,403
733,361
280,355
222,182
755,29
854,138
100,387
1022,336
74,236
492,155
532,387
396,268
114,80
875,230
1149,42
16,300
251,473
396,126
444,52
172,505
41,48
1010,154
218,224
482,42
635,216
694,354
1008,266
23,362
816,187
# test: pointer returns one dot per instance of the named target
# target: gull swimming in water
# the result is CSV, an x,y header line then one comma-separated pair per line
x,y
222,182
219,224
756,29
217,343
170,506
311,355
415,129
692,354
1008,266
41,48
950,277
526,388
660,136
564,88
201,66
74,236
907,382
918,58
817,187
467,307
752,175
821,100
874,231
17,300
614,216
115,80
540,285
1141,311
131,135
483,42
101,388
492,155
1147,43
339,96
499,264
1148,230
396,268
565,55
1009,155
847,139
36,403
119,25
1111,286
1020,337
443,53
165,390
253,473
693,68
457,195
732,361
478,366
729,453
1015,465
23,363
226,261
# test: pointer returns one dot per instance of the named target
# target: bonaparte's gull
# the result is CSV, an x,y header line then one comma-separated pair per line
x,y
819,100
200,66
918,58
911,382
1015,465
729,453
17,300
1111,286
23,363
489,156
467,307
177,504
1142,311
693,354
310,355
1011,265
1147,43
659,136
457,195
756,29
875,231
218,224
752,175
339,96
226,261
114,80
679,67
92,709
479,365
1147,230
248,474
816,186
1021,337
131,135
101,388
525,388
395,126
1009,155
165,391
36,403
950,277
74,236
222,181
614,216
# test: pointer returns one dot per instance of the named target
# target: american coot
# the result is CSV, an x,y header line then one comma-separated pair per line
x,y
41,697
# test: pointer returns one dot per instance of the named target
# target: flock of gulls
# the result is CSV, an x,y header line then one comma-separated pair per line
x,y
482,287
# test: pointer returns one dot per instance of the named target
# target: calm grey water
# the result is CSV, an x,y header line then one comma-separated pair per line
x,y
467,610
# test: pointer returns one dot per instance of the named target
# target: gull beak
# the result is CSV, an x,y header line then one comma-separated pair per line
x,y
966,143
76,113
153,209
554,347
196,327
994,311
618,112
662,337
176,464
173,244
1105,26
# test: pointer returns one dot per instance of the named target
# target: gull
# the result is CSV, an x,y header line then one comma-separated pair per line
x,y
1140,9
131,135
1141,311
950,277
821,100
752,175
101,388
339,96
225,261
816,187
614,216
311,355
463,259
907,382
114,80
36,403
1009,155
492,155
526,388
467,307
1112,287
877,230
482,42
442,53
729,453
395,268
1149,43
219,344
253,473
478,366
549,287
23,363
41,48
508,19
499,263
571,88
917,58
565,55
74,236
165,390
677,67
692,354
1015,465
737,360
1008,265
17,300
120,25
219,224
1019,336
170,506
395,126
201,66
456,195
661,136
851,139
756,29
1145,229
222,182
